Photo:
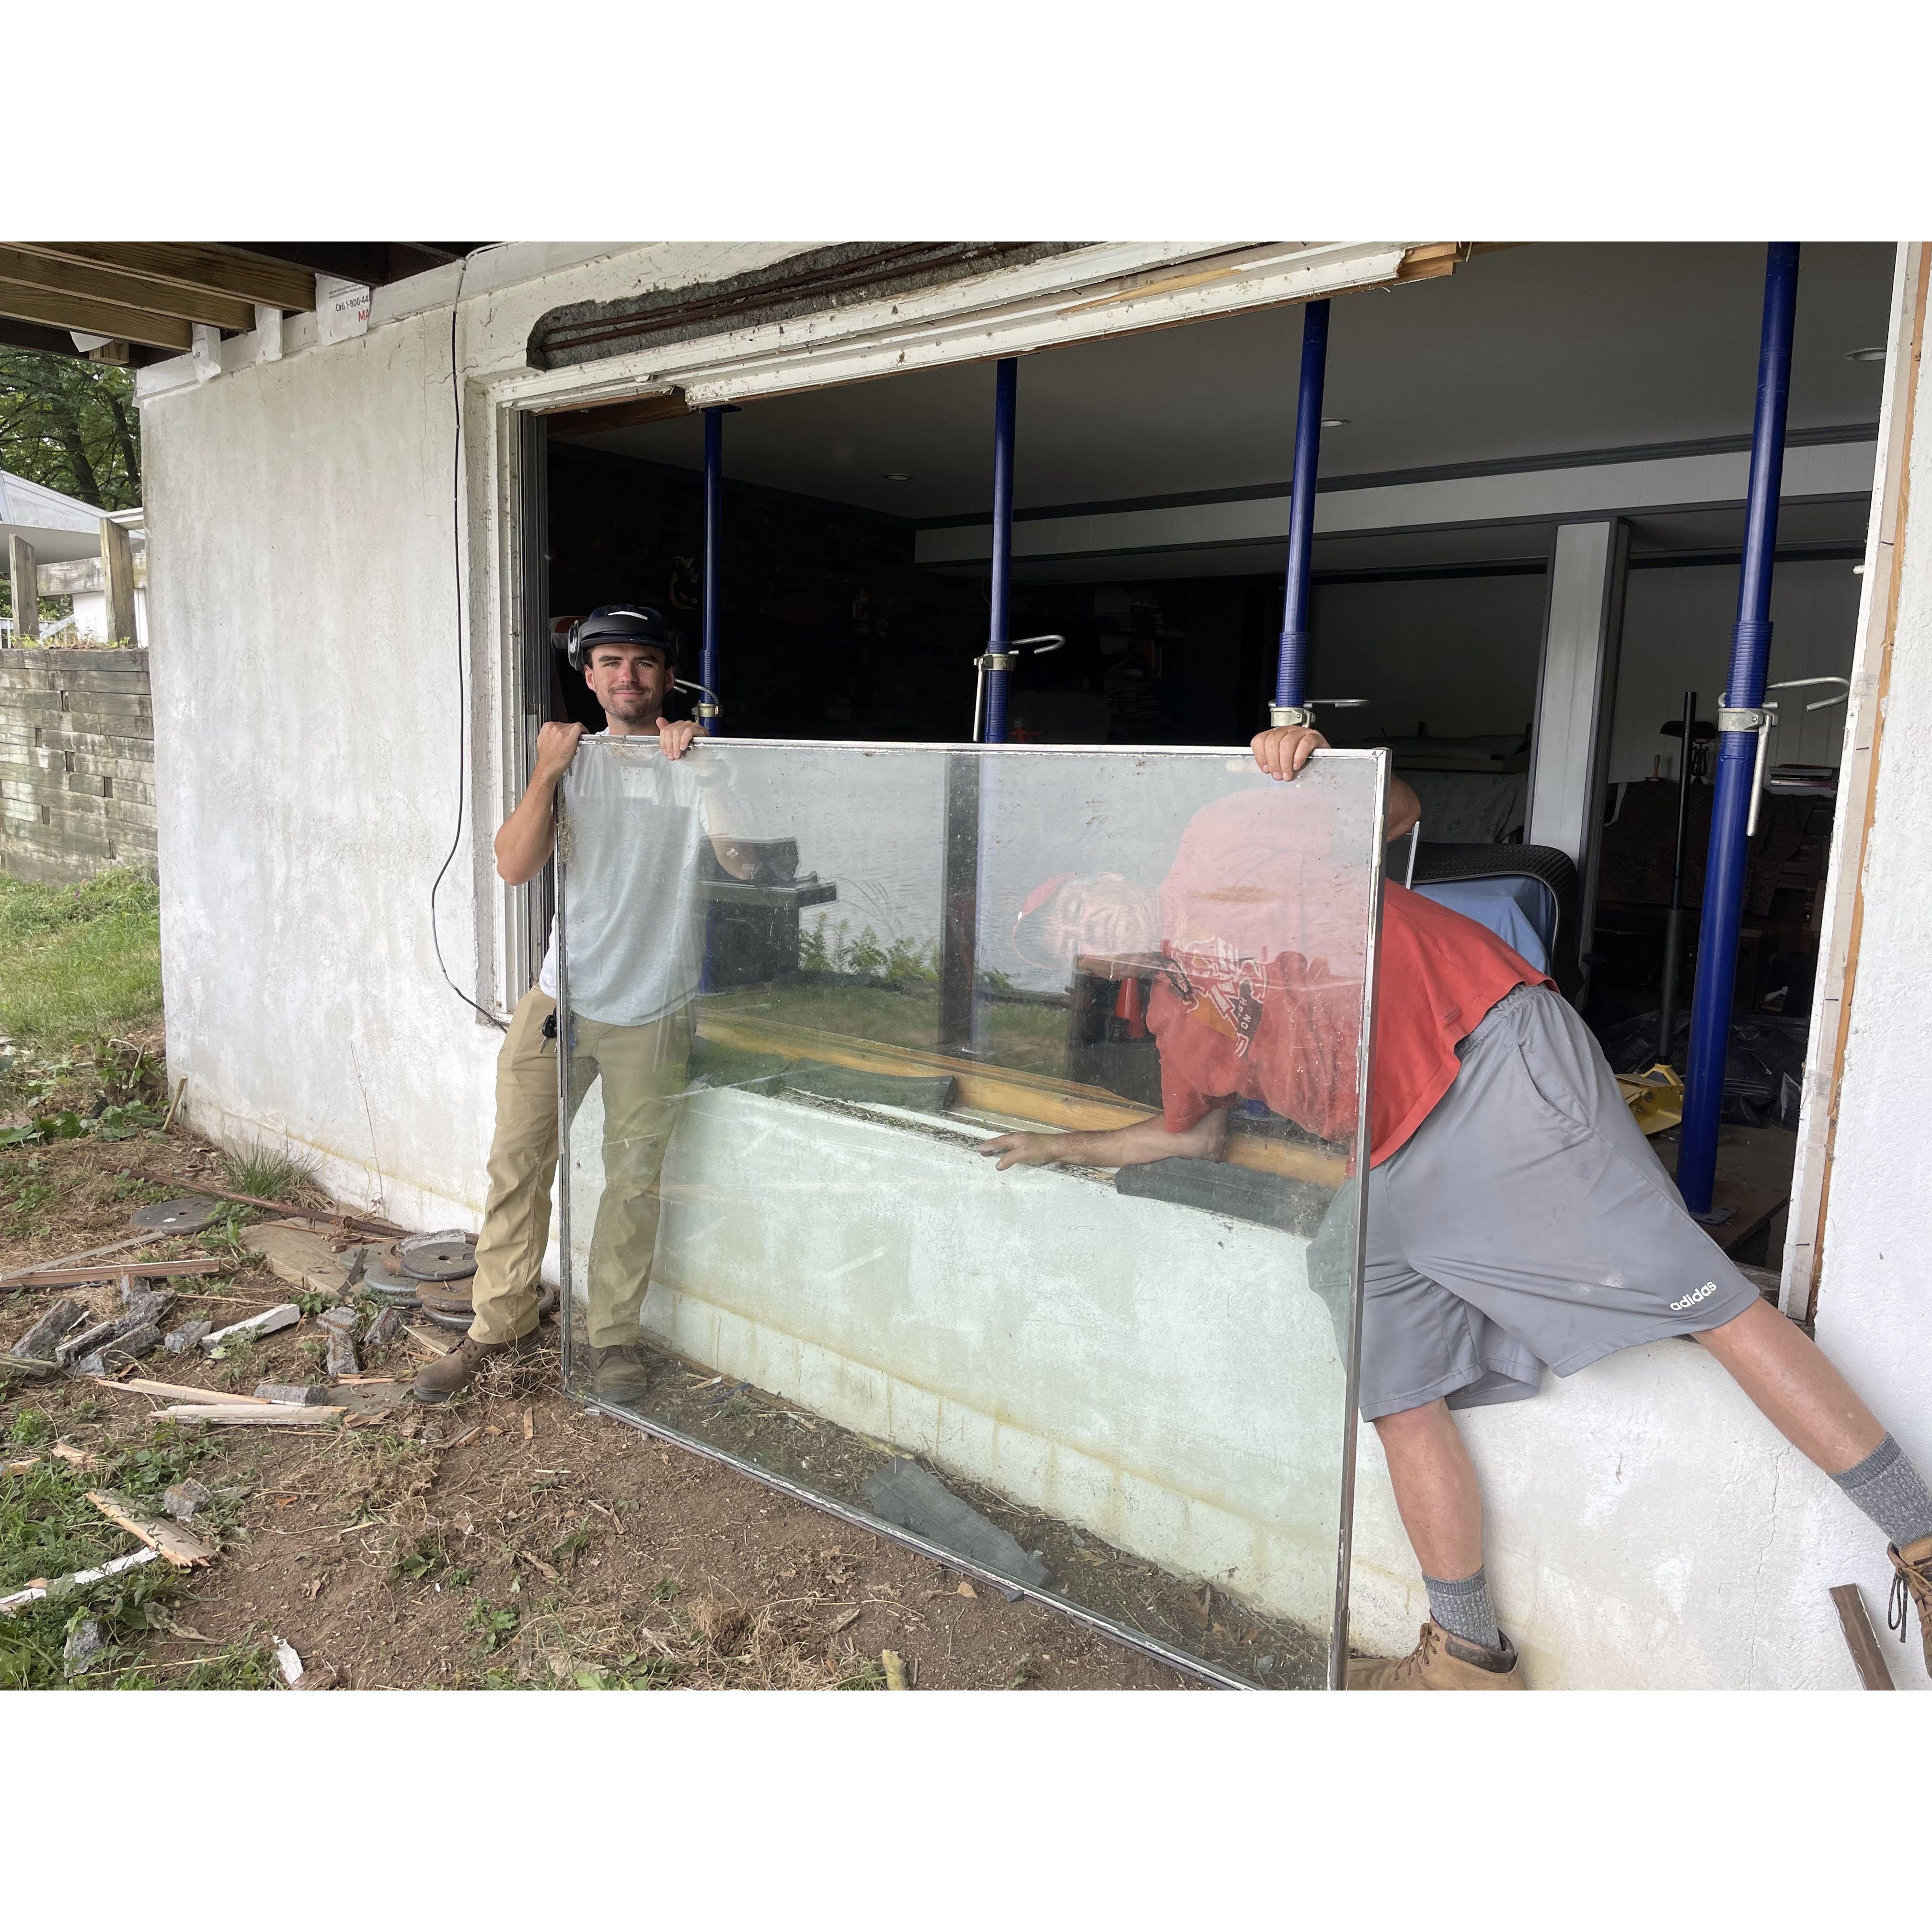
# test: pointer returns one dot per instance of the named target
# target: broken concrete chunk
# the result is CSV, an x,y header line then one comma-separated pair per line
x,y
301,1394
341,1359
85,1341
384,1330
89,1367
37,1344
85,1642
343,1318
145,1305
189,1335
131,1346
185,1497
270,1322
904,1494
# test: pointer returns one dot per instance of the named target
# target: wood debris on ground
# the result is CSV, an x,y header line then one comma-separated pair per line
x,y
181,1547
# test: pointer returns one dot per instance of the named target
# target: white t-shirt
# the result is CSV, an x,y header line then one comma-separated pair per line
x,y
631,836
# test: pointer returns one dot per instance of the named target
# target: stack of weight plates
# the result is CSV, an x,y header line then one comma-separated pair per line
x,y
441,1266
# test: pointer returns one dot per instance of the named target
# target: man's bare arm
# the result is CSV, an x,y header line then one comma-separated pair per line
x,y
529,834
1117,1146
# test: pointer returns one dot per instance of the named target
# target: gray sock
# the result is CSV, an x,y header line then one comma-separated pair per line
x,y
1887,1488
1463,1608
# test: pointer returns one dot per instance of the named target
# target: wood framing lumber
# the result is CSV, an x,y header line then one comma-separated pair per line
x,y
34,1592
74,1277
16,1278
260,1415
179,1546
90,281
1861,1639
176,1391
94,318
193,265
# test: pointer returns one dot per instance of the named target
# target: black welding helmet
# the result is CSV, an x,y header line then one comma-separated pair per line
x,y
620,624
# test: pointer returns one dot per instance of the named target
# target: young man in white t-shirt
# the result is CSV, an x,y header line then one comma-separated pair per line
x,y
632,920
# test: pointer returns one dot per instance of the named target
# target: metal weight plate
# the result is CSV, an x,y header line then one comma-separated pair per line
x,y
442,1321
188,1215
384,1279
450,1256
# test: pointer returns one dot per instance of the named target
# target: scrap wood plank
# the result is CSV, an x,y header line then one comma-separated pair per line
x,y
1861,1639
39,1586
435,1344
262,1415
185,1550
176,1391
74,1277
12,1280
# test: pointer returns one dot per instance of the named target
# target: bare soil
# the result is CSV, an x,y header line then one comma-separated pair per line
x,y
512,1538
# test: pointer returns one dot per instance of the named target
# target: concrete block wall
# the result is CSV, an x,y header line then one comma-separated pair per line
x,y
76,762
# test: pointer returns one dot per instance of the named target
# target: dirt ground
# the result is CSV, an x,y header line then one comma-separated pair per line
x,y
510,1538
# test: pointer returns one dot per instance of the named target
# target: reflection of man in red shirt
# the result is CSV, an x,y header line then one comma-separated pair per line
x,y
1517,1218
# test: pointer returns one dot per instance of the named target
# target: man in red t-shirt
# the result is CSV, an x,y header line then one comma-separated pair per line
x,y
1517,1218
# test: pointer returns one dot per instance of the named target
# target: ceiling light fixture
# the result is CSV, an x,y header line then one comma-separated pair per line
x,y
899,476
1864,355
1334,422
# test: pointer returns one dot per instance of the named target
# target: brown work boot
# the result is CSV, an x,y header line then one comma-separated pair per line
x,y
620,1374
1440,1662
457,1370
1912,1582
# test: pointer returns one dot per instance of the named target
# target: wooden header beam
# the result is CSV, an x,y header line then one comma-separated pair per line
x,y
31,269
197,266
26,304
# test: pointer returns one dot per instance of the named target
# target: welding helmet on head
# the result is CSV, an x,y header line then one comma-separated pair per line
x,y
620,624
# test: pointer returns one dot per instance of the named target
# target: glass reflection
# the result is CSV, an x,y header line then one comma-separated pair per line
x,y
957,1136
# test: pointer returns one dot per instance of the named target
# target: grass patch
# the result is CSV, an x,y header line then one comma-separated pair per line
x,y
49,1528
78,962
269,1173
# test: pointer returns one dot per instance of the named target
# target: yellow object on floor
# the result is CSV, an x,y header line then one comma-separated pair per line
x,y
1655,1099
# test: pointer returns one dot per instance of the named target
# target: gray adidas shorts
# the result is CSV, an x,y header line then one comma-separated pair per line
x,y
1525,1224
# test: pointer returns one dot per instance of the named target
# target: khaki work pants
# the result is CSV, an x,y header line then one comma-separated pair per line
x,y
643,1069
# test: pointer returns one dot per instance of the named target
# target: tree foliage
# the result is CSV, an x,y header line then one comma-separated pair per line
x,y
71,425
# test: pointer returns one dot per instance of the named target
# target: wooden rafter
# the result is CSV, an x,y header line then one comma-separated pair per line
x,y
24,264
200,265
26,304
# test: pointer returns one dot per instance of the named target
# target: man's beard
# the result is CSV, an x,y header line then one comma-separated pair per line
x,y
633,707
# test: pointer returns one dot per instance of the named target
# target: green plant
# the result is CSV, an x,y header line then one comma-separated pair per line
x,y
663,1590
494,1624
269,1174
31,1426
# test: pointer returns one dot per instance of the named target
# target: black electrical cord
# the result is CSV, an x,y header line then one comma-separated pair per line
x,y
462,678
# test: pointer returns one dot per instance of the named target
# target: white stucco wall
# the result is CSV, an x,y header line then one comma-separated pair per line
x,y
306,711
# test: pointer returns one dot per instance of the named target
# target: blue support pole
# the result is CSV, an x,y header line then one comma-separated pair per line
x,y
1006,396
714,528
1738,744
1291,682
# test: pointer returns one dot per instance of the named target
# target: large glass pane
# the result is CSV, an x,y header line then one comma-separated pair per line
x,y
805,987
